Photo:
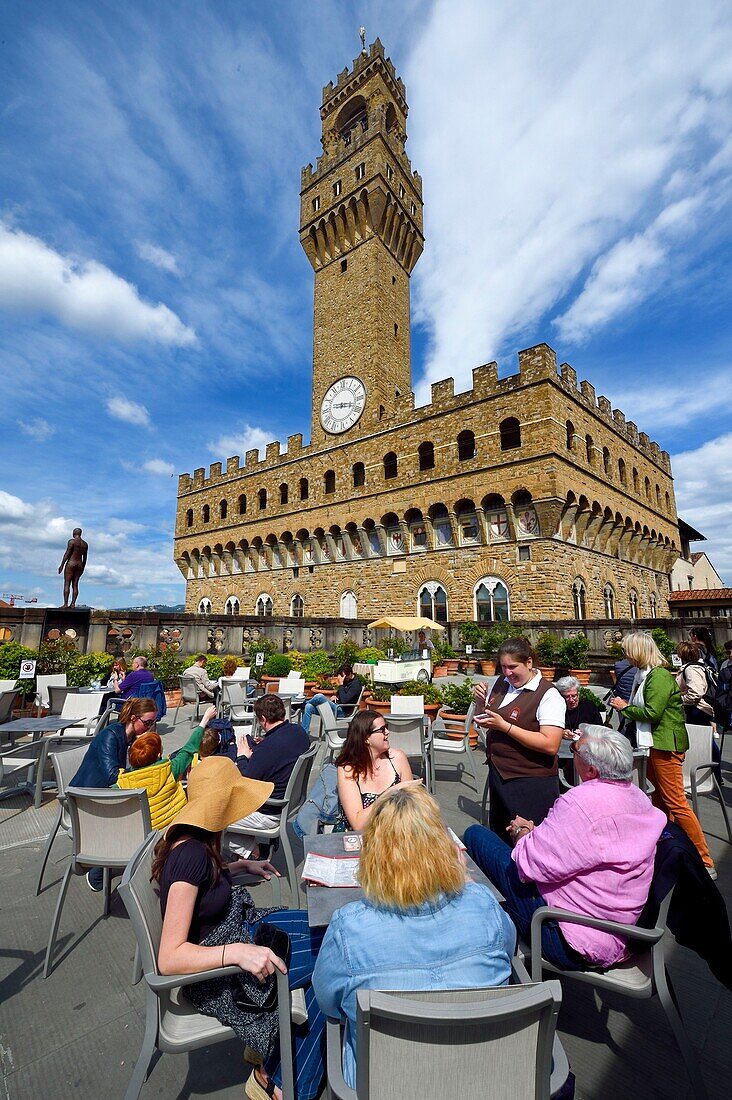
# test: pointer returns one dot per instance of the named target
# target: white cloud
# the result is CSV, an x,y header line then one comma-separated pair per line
x,y
37,428
544,143
121,408
159,466
83,295
13,508
672,405
240,441
159,257
703,492
623,276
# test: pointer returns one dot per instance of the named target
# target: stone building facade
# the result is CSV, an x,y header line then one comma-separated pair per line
x,y
525,497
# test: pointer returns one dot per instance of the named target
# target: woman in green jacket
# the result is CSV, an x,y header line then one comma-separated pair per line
x,y
656,708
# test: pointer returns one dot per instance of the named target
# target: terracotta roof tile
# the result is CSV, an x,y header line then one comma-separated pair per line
x,y
698,594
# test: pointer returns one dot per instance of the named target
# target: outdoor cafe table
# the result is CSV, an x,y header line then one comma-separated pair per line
x,y
37,727
324,900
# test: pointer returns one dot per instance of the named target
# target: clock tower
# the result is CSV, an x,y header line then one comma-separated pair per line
x,y
361,229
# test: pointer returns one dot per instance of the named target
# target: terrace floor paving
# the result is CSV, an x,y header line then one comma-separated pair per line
x,y
79,1032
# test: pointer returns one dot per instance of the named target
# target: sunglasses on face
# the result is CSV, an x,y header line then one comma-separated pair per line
x,y
147,722
380,729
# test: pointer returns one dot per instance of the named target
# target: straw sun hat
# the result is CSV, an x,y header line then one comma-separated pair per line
x,y
218,795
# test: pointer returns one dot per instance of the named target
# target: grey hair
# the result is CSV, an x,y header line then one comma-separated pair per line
x,y
608,752
567,683
142,661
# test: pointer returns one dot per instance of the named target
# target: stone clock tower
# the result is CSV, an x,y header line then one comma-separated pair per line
x,y
361,228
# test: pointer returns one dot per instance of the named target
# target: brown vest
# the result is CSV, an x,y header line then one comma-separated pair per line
x,y
511,759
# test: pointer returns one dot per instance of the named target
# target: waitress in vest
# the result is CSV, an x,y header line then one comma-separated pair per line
x,y
524,720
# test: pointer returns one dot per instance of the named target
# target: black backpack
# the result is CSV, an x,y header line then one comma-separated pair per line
x,y
227,737
710,677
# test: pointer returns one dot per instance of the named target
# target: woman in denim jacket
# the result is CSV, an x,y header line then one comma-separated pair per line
x,y
421,925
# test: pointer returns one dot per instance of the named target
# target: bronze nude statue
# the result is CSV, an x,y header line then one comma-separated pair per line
x,y
73,565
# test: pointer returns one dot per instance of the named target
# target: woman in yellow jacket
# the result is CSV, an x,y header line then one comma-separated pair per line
x,y
159,775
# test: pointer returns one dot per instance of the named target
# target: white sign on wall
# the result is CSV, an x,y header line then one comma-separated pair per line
x,y
27,669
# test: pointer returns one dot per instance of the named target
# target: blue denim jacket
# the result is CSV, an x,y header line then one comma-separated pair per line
x,y
464,941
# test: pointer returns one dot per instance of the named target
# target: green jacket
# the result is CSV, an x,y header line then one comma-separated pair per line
x,y
183,759
663,709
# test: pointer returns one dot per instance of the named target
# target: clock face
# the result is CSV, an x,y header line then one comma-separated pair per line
x,y
342,405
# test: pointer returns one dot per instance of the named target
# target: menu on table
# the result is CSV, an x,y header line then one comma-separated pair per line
x,y
334,871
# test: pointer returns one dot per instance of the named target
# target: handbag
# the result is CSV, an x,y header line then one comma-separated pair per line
x,y
255,996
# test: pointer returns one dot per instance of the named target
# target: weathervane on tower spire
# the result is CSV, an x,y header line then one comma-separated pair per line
x,y
362,34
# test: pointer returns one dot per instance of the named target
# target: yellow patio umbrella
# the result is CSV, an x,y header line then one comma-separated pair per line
x,y
404,622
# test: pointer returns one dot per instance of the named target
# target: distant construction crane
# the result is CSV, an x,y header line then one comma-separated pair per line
x,y
11,597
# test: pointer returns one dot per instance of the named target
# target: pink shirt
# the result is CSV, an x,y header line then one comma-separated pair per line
x,y
593,854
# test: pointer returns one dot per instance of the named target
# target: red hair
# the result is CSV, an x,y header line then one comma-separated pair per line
x,y
145,749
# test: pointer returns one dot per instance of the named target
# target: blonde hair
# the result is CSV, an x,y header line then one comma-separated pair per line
x,y
408,856
642,651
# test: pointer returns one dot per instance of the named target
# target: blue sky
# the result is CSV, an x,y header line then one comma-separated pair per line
x,y
155,305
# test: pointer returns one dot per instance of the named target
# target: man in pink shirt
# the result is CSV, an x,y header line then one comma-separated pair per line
x,y
593,854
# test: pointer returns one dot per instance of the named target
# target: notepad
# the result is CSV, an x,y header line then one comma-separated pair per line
x,y
334,871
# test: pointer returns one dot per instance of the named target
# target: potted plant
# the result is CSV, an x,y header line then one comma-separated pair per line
x,y
494,638
442,655
572,654
380,697
546,652
471,635
276,667
316,664
457,700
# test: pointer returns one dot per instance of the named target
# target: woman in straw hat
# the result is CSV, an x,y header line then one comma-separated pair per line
x,y
209,923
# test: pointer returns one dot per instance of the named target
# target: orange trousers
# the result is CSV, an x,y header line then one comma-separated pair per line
x,y
665,772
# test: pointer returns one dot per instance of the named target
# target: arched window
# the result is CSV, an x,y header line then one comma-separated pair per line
x,y
466,446
329,481
621,472
579,599
284,493
654,605
658,496
590,448
667,498
633,600
426,456
390,465
349,605
297,606
204,606
510,431
232,606
223,509
189,518
647,487
359,474
606,460
262,498
608,595
206,513
432,602
570,435
263,606
242,504
490,597
635,480
304,488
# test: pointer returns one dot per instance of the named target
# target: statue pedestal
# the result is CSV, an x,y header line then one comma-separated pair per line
x,y
69,622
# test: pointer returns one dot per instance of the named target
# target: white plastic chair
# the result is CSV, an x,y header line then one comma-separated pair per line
x,y
27,760
107,827
291,685
410,733
333,728
7,685
42,701
443,724
699,776
86,708
234,701
66,763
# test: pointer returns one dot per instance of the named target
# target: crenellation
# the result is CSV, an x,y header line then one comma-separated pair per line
x,y
619,418
604,406
539,361
272,452
644,441
232,465
252,459
631,431
588,392
569,375
485,378
214,473
294,444
442,391
184,483
199,477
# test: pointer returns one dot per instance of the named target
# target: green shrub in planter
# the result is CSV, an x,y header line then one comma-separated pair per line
x,y
589,697
316,664
55,657
458,697
546,648
277,665
370,655
431,694
346,653
296,659
663,642
497,634
472,634
398,645
443,651
382,694
86,668
261,645
572,652
11,654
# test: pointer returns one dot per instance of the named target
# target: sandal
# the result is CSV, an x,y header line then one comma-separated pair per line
x,y
255,1090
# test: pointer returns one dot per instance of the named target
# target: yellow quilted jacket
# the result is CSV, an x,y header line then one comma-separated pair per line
x,y
165,795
